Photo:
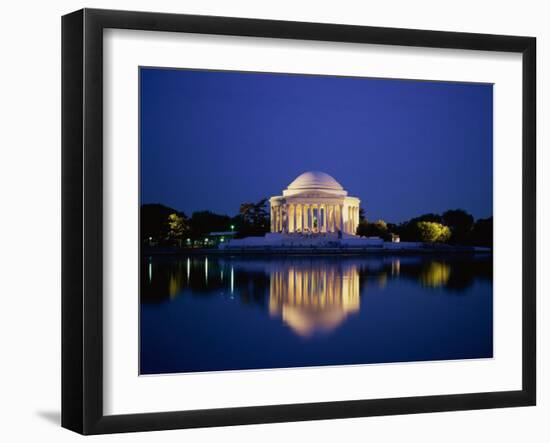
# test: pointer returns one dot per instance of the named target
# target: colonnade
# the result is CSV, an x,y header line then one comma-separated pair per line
x,y
316,217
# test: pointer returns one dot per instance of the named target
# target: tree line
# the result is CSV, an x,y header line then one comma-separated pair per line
x,y
165,226
455,226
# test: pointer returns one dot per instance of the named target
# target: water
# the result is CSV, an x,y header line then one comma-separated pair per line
x,y
211,313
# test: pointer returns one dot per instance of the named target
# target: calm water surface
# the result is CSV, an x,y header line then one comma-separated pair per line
x,y
210,313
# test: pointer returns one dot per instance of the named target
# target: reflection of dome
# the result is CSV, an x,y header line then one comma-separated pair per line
x,y
315,180
305,321
311,299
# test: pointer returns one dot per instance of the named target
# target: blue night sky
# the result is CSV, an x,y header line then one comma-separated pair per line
x,y
213,140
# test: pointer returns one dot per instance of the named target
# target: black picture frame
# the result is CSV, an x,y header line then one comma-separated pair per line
x,y
82,216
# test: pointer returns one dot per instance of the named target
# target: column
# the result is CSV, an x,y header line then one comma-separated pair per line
x,y
290,218
342,218
310,217
271,218
325,224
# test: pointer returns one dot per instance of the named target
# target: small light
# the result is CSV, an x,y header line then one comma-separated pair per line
x,y
232,227
150,238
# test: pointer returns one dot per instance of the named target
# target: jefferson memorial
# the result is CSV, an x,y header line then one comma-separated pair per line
x,y
314,214
314,203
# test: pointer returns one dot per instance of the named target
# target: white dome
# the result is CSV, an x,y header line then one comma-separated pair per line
x,y
315,180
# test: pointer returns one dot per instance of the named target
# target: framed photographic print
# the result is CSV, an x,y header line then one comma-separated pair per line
x,y
269,221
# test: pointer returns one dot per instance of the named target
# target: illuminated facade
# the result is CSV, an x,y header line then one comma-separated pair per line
x,y
314,203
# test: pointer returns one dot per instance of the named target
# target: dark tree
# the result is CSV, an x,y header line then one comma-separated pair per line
x,y
436,218
363,228
255,219
204,222
155,224
460,223
377,229
407,231
482,233
255,214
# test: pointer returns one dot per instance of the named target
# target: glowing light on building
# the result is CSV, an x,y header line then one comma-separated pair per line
x,y
314,203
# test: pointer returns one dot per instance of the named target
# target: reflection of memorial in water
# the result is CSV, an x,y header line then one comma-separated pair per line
x,y
320,281
312,298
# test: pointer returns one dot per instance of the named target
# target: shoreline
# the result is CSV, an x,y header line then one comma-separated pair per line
x,y
463,250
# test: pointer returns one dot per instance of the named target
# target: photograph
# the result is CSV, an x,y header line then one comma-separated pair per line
x,y
290,220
